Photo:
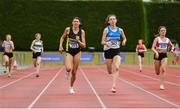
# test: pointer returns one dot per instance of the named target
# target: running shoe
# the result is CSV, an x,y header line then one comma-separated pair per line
x,y
9,75
113,90
162,87
71,90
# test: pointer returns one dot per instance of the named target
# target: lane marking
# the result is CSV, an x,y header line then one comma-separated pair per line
x,y
144,75
45,88
142,89
10,83
93,89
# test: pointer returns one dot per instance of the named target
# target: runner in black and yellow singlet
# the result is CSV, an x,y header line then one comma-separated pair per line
x,y
72,45
75,41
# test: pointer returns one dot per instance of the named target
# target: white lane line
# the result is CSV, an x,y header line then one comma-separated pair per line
x,y
37,98
138,87
10,83
93,89
143,75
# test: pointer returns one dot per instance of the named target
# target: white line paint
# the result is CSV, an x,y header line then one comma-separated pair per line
x,y
37,98
93,89
10,83
143,75
140,88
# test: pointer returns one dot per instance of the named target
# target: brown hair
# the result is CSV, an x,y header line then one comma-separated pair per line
x,y
80,26
139,40
107,19
8,34
159,28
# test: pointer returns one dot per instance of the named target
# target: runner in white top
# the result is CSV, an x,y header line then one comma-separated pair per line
x,y
8,46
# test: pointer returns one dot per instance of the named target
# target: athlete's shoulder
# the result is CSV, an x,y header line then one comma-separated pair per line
x,y
67,28
156,38
82,30
4,41
41,41
120,29
34,41
106,29
167,38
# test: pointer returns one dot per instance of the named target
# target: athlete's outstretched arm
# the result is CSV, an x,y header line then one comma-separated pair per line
x,y
124,37
82,43
62,39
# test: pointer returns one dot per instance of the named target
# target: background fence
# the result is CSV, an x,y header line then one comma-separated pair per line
x,y
88,58
23,18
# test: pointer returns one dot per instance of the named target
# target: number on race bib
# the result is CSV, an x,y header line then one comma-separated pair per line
x,y
163,45
73,45
115,43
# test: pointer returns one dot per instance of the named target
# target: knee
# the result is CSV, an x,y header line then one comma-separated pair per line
x,y
164,69
6,60
116,68
109,71
37,63
68,69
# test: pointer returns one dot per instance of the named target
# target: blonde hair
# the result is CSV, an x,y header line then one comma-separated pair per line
x,y
37,34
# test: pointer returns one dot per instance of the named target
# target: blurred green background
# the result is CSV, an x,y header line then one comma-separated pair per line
x,y
23,18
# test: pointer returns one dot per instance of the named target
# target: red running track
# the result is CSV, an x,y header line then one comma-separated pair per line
x,y
134,89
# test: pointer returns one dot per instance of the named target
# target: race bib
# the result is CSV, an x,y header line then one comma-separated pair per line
x,y
7,46
163,45
73,45
141,50
115,43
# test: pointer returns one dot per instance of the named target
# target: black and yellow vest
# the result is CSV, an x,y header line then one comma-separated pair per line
x,y
71,40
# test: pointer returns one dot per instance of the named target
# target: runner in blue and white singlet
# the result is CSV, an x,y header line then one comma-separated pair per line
x,y
111,38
